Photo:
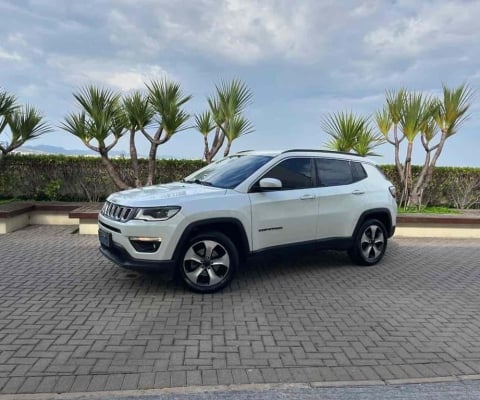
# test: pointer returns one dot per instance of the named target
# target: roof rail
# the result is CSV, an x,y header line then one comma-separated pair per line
x,y
322,151
243,151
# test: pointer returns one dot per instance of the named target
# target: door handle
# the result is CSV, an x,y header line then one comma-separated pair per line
x,y
358,192
307,197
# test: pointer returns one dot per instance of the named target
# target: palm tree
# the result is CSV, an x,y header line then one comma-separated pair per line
x,y
166,100
100,120
393,113
139,114
350,132
416,112
226,107
446,116
205,124
25,123
413,115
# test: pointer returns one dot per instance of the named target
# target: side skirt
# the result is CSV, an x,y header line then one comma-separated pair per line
x,y
312,245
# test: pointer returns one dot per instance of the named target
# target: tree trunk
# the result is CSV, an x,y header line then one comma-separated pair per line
x,y
152,155
134,159
216,145
227,149
117,180
206,149
430,168
407,180
417,191
398,164
152,160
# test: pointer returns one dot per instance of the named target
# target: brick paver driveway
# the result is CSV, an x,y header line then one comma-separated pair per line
x,y
71,321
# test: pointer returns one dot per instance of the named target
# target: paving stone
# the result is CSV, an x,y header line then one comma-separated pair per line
x,y
76,322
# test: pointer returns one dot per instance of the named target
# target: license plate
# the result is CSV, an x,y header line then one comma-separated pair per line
x,y
105,238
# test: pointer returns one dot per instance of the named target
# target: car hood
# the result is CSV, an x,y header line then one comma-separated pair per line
x,y
167,194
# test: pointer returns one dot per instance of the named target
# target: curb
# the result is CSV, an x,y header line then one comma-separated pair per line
x,y
250,387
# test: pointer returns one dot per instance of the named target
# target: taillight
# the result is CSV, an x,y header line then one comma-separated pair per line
x,y
393,191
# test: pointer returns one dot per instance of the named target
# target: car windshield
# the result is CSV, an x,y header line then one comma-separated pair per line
x,y
228,172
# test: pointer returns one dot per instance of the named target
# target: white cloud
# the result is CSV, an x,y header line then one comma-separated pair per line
x,y
433,26
10,56
243,31
128,33
117,75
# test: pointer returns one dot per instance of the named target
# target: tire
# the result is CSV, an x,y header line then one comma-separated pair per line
x,y
207,273
369,244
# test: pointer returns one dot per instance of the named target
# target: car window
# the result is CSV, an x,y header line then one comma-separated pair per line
x,y
295,173
333,172
228,172
358,172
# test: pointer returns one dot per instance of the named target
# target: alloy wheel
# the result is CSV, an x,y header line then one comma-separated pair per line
x,y
372,243
206,263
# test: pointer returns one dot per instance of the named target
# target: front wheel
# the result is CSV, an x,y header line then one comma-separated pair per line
x,y
208,262
370,243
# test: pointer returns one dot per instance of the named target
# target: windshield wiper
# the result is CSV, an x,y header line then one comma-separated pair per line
x,y
198,182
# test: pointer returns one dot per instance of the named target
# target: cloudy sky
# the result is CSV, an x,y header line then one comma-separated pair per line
x,y
302,59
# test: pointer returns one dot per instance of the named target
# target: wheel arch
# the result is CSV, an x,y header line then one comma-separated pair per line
x,y
231,227
381,214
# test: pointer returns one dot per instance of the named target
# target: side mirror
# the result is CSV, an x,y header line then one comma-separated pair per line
x,y
270,184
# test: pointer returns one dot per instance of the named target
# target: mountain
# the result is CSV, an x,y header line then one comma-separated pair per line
x,y
47,149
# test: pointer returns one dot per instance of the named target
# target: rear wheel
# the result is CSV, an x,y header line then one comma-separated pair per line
x,y
208,262
370,243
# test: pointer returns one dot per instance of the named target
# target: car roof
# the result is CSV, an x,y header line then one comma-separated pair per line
x,y
329,153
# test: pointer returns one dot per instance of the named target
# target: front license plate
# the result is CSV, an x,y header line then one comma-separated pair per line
x,y
105,238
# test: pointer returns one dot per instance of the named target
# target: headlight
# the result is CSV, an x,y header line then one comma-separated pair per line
x,y
157,213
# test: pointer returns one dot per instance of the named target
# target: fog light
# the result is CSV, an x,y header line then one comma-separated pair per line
x,y
145,244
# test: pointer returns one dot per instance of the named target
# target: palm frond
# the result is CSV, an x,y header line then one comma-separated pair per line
x,y
367,141
204,122
75,124
395,104
166,98
138,110
7,103
344,129
238,126
453,108
384,121
26,123
417,109
101,116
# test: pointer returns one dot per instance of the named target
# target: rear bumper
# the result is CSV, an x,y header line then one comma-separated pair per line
x,y
120,256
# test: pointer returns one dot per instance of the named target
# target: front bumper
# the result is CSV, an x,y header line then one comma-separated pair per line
x,y
392,231
120,256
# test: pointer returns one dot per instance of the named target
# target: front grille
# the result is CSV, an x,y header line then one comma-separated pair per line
x,y
117,213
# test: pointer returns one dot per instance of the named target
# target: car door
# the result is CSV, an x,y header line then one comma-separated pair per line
x,y
341,196
287,215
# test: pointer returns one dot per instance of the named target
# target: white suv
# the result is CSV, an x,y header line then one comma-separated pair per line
x,y
255,201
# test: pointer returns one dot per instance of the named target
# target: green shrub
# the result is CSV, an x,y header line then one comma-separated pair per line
x,y
445,183
69,178
57,177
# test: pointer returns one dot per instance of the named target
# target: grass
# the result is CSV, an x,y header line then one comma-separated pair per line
x,y
5,201
428,210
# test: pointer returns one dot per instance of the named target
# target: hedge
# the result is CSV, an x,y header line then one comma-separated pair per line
x,y
70,178
448,187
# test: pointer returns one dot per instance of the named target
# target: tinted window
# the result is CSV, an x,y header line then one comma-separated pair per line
x,y
333,172
295,173
229,172
358,171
